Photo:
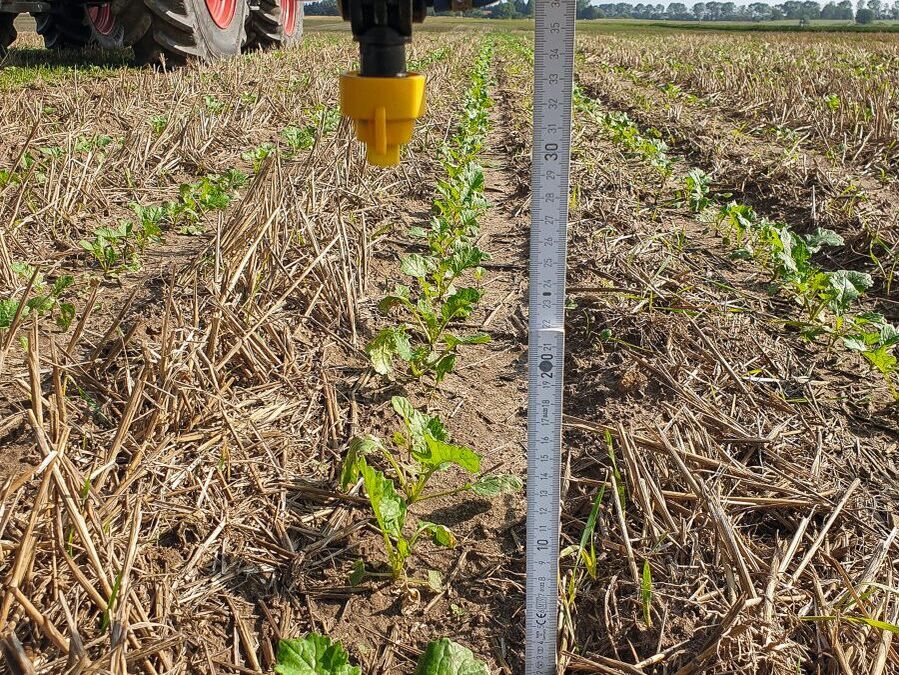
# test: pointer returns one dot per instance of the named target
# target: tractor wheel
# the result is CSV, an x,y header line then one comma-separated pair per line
x,y
105,27
63,28
275,23
7,31
192,29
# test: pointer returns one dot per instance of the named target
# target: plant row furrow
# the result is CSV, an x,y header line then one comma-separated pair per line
x,y
827,297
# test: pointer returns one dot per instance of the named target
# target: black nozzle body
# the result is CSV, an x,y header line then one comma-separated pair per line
x,y
382,52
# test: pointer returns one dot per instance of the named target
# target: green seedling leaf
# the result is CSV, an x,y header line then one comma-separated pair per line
x,y
389,343
646,593
400,296
822,237
61,284
444,366
435,581
416,423
358,573
491,486
439,455
466,257
416,265
8,309
847,286
355,457
66,315
388,506
460,304
313,655
477,339
882,359
445,657
440,534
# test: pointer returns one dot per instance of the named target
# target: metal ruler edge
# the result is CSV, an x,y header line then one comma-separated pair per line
x,y
553,82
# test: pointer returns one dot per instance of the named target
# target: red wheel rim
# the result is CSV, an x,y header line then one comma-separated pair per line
x,y
290,9
101,18
222,11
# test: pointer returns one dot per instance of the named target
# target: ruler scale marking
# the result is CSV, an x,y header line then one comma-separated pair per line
x,y
553,75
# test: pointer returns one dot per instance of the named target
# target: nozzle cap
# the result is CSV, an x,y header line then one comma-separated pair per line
x,y
385,110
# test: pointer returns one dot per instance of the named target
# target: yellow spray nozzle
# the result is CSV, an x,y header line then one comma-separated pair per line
x,y
385,110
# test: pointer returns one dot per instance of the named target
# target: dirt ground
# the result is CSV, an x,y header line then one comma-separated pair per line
x,y
170,461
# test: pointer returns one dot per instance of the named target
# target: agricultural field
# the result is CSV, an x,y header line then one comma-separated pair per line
x,y
253,389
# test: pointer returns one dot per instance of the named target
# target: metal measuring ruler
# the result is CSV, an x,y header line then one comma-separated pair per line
x,y
553,76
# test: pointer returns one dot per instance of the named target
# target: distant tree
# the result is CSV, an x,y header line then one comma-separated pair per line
x,y
875,6
810,10
844,10
759,11
792,9
582,6
864,16
699,11
504,10
678,10
829,11
322,8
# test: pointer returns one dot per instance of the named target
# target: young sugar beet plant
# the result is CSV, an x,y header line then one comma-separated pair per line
x,y
414,455
317,655
435,301
47,299
789,257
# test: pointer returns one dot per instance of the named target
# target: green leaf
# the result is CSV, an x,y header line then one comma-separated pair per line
x,y
400,296
440,534
387,344
460,304
8,310
445,657
822,237
477,339
355,457
646,593
416,423
847,286
66,315
61,284
439,454
435,581
389,507
313,655
882,359
358,573
465,257
491,486
416,265
444,366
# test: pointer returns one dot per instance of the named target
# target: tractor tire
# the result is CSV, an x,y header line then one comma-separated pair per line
x,y
181,30
7,31
63,28
275,23
107,30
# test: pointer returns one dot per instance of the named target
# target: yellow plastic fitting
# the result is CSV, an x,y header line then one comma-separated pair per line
x,y
385,110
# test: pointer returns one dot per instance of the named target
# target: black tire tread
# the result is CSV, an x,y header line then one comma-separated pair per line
x,y
63,28
172,35
264,26
8,31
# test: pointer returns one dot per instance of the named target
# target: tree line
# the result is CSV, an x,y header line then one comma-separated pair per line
x,y
865,11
